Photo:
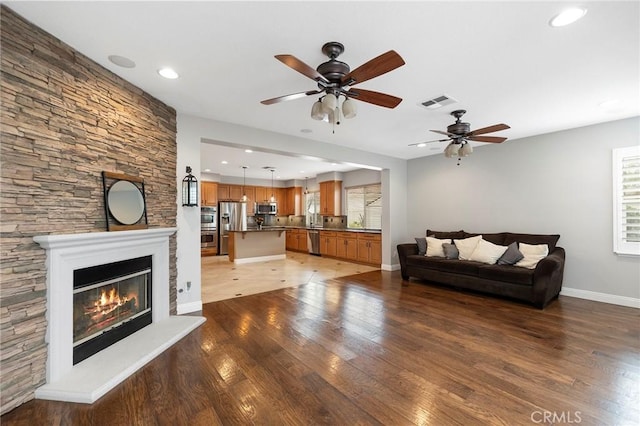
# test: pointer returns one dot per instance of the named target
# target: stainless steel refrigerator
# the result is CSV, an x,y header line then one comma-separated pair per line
x,y
232,216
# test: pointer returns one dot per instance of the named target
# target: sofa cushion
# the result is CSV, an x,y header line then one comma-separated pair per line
x,y
422,245
497,239
509,274
486,252
466,246
450,251
532,254
511,256
549,240
465,267
434,246
447,234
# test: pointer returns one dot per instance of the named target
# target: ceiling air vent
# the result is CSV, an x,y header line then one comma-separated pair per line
x,y
438,102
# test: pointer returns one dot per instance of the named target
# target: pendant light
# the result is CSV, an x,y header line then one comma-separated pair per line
x,y
306,189
244,181
273,198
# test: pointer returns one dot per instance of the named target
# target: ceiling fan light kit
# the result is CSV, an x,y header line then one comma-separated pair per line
x,y
335,79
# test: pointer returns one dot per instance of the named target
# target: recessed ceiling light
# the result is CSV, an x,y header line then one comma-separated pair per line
x,y
224,162
168,73
334,164
207,170
248,151
121,61
567,16
421,145
301,171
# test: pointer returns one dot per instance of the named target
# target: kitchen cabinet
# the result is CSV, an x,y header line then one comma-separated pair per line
x,y
297,240
223,192
347,245
328,243
331,198
290,203
235,192
209,194
250,192
369,248
262,194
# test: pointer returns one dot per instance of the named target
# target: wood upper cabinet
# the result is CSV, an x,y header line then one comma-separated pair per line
x,y
223,192
290,203
250,192
235,192
262,193
331,198
209,194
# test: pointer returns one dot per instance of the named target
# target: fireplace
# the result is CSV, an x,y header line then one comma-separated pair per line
x,y
110,302
129,272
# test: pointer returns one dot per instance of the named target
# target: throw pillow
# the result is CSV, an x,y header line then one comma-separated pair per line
x,y
450,251
434,247
422,245
467,246
532,254
511,256
487,252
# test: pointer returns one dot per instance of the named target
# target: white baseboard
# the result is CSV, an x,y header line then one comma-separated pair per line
x,y
186,308
259,259
394,267
601,297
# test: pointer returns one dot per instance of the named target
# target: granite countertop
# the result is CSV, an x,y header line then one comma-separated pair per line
x,y
369,231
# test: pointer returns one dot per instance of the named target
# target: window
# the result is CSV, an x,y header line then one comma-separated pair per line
x,y
364,207
626,200
312,209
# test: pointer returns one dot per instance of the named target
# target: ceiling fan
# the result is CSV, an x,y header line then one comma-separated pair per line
x,y
460,135
335,79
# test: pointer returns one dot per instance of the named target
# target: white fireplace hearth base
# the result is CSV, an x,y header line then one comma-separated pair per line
x,y
95,376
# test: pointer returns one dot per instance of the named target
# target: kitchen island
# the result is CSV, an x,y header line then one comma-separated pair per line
x,y
257,245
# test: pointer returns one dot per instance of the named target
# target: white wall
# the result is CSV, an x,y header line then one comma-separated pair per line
x,y
190,132
188,222
557,183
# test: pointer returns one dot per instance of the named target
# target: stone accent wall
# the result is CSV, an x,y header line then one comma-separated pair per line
x,y
65,119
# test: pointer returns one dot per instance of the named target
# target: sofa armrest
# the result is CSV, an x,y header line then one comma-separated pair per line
x,y
547,277
405,250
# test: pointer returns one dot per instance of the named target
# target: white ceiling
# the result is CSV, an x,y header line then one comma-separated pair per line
x,y
500,60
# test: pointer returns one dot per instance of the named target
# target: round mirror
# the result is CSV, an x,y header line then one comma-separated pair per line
x,y
125,202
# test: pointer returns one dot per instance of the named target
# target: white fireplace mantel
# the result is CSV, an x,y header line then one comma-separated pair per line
x,y
69,252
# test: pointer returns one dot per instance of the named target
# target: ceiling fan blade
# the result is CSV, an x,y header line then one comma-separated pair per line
x,y
376,98
492,139
295,63
494,128
437,140
375,67
443,133
289,97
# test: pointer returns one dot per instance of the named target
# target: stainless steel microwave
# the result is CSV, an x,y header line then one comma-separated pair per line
x,y
266,208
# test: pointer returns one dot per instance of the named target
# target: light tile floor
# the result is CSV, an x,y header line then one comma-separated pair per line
x,y
222,279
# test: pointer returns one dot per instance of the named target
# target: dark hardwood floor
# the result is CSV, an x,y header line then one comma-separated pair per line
x,y
372,349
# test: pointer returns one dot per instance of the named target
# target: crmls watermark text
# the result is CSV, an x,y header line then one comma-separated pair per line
x,y
556,417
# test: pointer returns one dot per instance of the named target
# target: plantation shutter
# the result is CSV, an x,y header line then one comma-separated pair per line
x,y
626,166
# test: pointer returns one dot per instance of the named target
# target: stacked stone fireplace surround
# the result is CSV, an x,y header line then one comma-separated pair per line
x,y
65,119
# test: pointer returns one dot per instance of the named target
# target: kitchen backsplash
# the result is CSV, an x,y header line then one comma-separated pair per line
x,y
334,222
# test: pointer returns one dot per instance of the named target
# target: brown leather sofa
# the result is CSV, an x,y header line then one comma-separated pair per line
x,y
537,286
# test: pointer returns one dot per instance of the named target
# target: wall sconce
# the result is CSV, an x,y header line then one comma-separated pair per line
x,y
189,190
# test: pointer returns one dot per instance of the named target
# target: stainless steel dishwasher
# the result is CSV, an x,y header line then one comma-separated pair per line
x,y
313,242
